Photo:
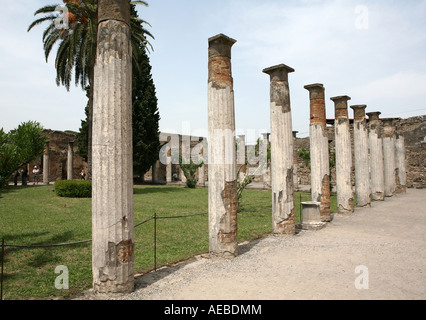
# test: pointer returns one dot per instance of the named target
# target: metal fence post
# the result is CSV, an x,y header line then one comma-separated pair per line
x,y
2,265
155,241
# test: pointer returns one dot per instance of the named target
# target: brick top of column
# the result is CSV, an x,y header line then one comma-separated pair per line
x,y
388,122
220,46
317,104
374,116
279,72
341,106
114,10
388,127
316,91
359,112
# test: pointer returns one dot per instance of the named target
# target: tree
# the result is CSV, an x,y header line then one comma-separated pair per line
x,y
18,147
77,39
189,170
145,115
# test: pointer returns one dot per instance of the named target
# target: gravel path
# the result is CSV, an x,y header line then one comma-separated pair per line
x,y
388,240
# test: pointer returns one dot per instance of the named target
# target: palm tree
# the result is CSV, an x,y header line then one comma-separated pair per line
x,y
77,45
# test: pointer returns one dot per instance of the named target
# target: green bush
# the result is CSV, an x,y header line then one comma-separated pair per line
x,y
73,188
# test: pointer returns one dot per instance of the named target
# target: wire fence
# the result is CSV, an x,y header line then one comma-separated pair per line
x,y
154,218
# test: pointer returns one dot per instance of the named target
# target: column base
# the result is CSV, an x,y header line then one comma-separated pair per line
x,y
311,226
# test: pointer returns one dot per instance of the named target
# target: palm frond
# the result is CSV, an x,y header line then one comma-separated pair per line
x,y
144,3
38,21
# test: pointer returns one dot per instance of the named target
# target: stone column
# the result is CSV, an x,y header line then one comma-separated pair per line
x,y
389,157
281,151
241,157
70,161
362,166
295,163
343,156
112,172
221,150
46,164
320,162
156,168
311,216
169,170
400,163
375,142
263,153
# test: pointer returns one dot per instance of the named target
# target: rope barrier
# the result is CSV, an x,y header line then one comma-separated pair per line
x,y
155,218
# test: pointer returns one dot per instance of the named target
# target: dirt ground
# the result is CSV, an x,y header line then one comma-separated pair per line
x,y
384,246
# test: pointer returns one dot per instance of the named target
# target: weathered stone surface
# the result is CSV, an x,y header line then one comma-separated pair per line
x,y
112,175
311,216
361,155
282,160
320,164
343,156
375,142
390,171
46,164
221,151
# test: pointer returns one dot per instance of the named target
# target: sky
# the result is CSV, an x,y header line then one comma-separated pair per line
x,y
373,51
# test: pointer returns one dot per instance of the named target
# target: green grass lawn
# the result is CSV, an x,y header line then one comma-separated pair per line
x,y
36,216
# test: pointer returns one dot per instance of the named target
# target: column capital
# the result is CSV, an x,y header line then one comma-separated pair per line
x,y
279,72
316,91
374,115
114,10
359,112
388,122
341,101
341,106
220,46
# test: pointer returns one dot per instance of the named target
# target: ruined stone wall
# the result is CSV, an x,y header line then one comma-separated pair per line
x,y
414,131
58,155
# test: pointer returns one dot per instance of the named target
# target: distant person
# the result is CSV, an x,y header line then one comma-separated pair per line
x,y
36,172
24,176
82,175
15,178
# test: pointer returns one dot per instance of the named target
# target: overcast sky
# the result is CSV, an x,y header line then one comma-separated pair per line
x,y
373,51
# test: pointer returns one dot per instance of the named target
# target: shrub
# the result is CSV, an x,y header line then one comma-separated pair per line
x,y
73,188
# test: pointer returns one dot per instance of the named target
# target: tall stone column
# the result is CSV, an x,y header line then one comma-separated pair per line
x,y
375,143
169,177
362,165
343,156
221,150
46,164
241,157
70,161
295,163
400,163
281,151
263,153
389,157
112,172
320,162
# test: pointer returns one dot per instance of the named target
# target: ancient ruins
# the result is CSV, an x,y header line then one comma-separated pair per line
x,y
375,158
